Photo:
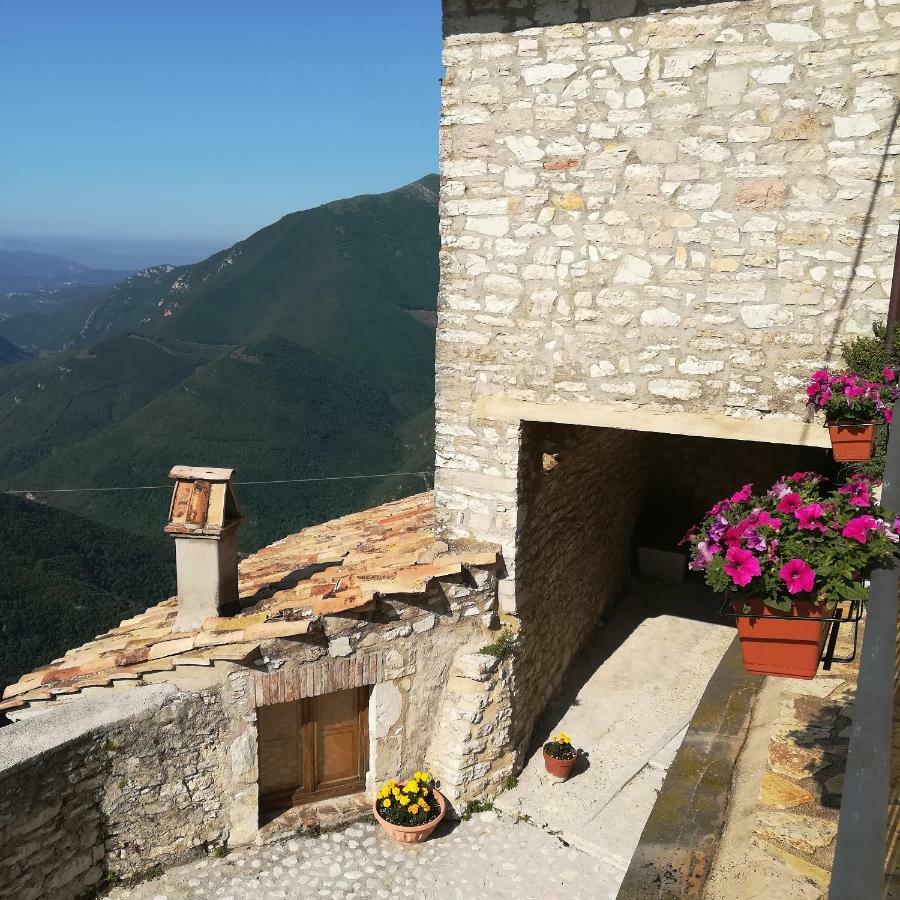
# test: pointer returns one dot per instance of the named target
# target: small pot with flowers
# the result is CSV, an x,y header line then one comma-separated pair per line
x,y
786,559
410,810
853,406
559,757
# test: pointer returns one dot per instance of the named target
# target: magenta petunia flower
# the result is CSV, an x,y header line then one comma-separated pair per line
x,y
703,555
734,535
741,566
745,493
888,373
789,502
807,517
858,528
798,575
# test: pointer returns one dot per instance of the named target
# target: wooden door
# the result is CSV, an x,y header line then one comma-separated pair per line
x,y
313,748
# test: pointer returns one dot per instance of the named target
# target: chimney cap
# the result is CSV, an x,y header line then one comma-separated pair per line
x,y
200,473
203,503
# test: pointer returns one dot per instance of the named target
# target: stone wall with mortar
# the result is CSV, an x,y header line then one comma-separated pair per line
x,y
581,490
170,770
659,208
685,209
115,795
403,649
689,474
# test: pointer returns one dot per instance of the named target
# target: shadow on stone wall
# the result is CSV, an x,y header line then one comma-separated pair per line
x,y
867,224
493,16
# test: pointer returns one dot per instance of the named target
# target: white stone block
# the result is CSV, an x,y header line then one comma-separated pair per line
x,y
541,74
855,126
791,33
675,388
633,270
660,317
726,87
631,68
524,148
767,315
699,196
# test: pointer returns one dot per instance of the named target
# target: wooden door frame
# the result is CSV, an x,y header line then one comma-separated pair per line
x,y
306,793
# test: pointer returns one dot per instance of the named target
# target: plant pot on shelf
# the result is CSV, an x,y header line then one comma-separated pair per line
x,y
417,833
559,769
851,441
774,646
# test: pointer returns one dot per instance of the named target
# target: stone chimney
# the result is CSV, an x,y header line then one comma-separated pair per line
x,y
204,519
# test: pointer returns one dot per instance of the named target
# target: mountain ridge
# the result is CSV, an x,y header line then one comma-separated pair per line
x,y
292,353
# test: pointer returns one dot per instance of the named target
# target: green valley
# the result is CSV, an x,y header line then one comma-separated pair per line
x,y
305,350
66,579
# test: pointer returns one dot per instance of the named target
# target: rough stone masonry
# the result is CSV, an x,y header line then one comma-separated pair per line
x,y
676,211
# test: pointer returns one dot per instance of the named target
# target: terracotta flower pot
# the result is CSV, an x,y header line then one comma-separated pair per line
x,y
788,647
851,441
417,833
559,769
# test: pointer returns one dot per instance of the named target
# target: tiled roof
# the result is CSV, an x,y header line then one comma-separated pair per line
x,y
285,589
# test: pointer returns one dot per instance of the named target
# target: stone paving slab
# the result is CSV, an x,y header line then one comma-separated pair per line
x,y
676,849
490,856
635,690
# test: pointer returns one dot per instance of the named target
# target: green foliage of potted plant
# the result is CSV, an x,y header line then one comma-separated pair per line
x,y
559,757
796,551
409,811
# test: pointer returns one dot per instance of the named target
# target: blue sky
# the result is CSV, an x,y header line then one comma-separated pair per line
x,y
203,121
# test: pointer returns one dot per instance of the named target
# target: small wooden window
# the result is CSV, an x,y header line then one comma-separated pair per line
x,y
312,749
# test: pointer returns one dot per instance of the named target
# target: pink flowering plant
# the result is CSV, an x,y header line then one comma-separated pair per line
x,y
850,397
798,541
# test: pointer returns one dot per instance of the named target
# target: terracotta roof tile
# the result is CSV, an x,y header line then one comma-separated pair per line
x,y
331,568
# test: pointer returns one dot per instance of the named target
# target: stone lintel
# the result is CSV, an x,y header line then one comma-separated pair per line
x,y
767,431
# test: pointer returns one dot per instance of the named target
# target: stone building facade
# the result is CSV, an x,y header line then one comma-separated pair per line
x,y
655,223
146,746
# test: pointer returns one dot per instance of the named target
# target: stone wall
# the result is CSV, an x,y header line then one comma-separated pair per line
x,y
581,490
681,210
689,474
108,787
404,650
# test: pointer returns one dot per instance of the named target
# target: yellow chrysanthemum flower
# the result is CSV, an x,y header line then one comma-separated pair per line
x,y
414,809
404,801
411,787
387,804
426,807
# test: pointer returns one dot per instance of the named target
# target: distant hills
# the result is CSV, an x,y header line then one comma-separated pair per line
x,y
306,349
22,270
66,579
10,353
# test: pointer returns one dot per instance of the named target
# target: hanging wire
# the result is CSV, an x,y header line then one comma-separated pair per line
x,y
165,487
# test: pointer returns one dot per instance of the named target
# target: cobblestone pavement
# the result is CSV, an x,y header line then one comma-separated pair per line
x,y
490,856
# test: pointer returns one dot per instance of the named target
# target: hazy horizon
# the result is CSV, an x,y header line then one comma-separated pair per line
x,y
238,117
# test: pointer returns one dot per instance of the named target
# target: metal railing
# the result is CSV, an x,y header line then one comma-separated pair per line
x,y
858,871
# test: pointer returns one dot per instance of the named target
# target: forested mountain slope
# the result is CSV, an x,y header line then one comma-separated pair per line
x,y
66,579
293,353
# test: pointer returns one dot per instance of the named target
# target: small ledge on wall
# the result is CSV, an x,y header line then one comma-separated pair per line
x,y
769,430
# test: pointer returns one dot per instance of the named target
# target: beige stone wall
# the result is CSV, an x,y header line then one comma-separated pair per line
x,y
404,651
686,209
575,528
159,773
140,788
